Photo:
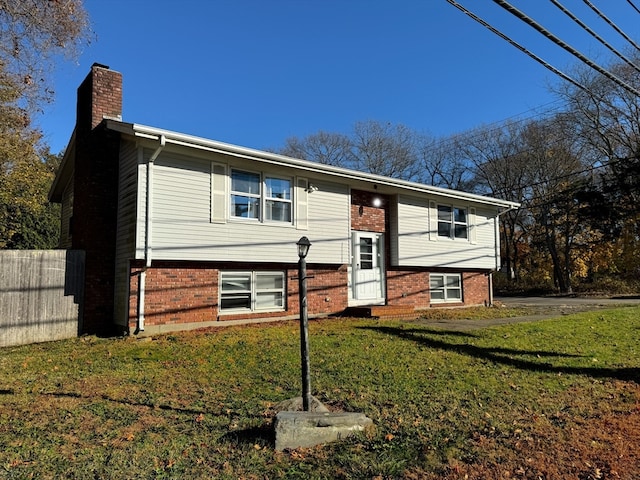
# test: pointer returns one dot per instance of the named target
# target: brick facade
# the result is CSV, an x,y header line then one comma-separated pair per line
x,y
95,194
366,217
476,287
187,292
406,287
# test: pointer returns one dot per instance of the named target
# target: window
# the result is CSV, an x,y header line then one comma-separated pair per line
x,y
452,222
366,253
249,198
245,194
277,199
252,291
445,288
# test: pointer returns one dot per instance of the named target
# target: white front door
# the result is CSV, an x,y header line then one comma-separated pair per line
x,y
368,268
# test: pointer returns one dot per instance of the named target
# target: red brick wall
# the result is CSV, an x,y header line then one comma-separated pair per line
x,y
408,288
475,288
99,96
95,195
176,295
364,216
188,292
412,288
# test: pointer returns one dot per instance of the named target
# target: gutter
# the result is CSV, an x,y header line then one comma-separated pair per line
x,y
148,253
190,141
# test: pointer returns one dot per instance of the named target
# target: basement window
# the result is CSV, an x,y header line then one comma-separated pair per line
x,y
252,291
445,288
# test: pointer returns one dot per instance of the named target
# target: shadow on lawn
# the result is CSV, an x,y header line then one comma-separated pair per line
x,y
505,356
129,403
250,436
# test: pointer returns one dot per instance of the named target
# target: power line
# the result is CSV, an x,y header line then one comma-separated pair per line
x,y
611,24
518,46
532,23
496,126
593,34
633,6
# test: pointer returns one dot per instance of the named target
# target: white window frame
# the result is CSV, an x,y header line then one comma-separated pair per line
x,y
446,289
263,197
452,222
248,195
285,201
253,292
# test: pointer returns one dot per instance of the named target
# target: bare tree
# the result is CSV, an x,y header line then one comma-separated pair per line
x,y
373,147
321,147
444,163
607,121
553,171
500,171
385,149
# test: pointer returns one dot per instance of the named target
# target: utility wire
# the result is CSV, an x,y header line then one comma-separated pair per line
x,y
633,6
594,34
613,25
496,126
532,23
518,46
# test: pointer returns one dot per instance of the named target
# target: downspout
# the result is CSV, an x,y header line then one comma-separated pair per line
x,y
490,274
147,234
497,249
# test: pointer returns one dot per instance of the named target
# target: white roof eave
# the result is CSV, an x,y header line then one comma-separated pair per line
x,y
152,133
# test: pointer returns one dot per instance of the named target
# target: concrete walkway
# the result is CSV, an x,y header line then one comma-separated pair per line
x,y
544,307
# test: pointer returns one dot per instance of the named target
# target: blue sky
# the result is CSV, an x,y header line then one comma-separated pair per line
x,y
254,72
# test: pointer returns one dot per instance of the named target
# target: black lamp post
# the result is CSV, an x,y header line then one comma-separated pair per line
x,y
303,248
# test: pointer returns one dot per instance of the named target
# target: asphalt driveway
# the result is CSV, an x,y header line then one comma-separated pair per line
x,y
541,307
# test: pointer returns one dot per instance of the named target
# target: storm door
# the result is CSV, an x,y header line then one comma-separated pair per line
x,y
368,268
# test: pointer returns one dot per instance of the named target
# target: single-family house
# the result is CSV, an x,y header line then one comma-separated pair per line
x,y
183,232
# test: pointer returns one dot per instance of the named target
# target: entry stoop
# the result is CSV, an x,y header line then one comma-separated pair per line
x,y
383,312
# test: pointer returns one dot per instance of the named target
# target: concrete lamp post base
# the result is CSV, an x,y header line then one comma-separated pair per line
x,y
308,429
295,428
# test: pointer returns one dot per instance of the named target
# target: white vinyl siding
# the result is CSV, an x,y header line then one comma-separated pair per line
x,y
184,211
418,243
126,227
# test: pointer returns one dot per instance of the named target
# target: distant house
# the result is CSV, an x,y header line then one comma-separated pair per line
x,y
182,232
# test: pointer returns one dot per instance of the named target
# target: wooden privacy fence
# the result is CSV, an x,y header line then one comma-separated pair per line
x,y
41,294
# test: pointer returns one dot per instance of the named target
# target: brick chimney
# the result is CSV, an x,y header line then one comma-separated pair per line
x,y
99,97
95,193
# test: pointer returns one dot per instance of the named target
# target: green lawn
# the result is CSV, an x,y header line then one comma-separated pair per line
x,y
531,400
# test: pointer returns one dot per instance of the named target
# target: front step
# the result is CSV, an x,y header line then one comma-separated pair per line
x,y
382,312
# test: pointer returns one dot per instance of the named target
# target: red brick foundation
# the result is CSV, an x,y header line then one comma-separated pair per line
x,y
180,293
475,287
412,288
408,288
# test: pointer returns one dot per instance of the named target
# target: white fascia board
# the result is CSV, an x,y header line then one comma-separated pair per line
x,y
152,133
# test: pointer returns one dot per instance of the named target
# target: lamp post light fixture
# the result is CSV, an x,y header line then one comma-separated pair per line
x,y
303,249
